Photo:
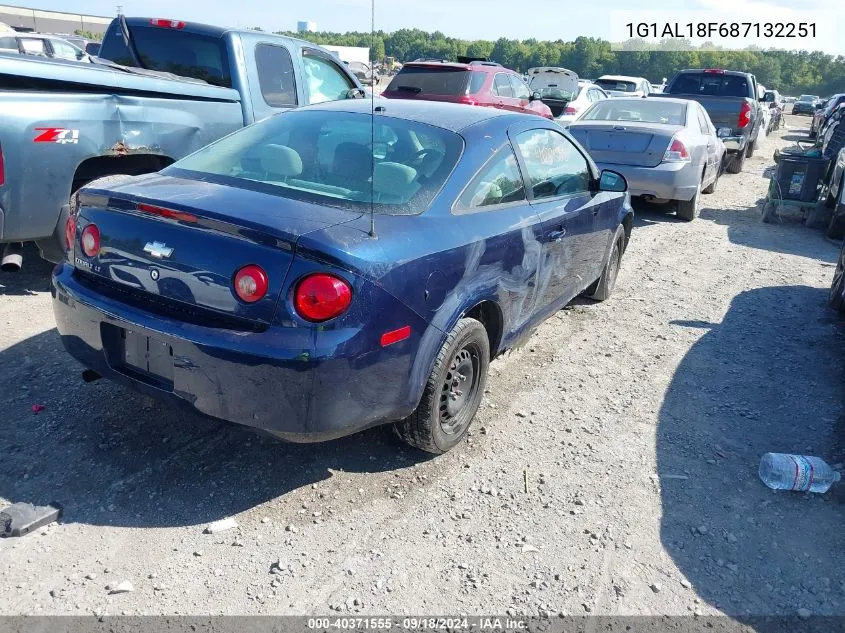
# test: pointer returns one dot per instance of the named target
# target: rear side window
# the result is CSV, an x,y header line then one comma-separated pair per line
x,y
173,51
33,46
476,83
703,120
502,85
713,84
275,75
498,182
326,81
520,90
618,85
8,43
431,80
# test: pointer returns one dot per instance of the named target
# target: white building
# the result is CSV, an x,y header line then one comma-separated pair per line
x,y
306,27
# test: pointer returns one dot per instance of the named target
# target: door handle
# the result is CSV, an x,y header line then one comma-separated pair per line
x,y
556,236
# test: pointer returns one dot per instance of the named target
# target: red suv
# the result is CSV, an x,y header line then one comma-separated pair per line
x,y
475,83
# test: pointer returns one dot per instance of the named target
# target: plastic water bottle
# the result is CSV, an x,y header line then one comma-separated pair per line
x,y
796,472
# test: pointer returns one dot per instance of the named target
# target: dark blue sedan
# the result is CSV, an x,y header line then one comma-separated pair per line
x,y
330,269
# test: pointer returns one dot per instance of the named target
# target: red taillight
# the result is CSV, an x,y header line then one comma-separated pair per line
x,y
715,71
2,169
321,297
744,115
167,24
70,231
676,153
166,213
251,283
90,240
570,110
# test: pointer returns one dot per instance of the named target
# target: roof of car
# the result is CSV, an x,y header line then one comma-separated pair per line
x,y
449,116
443,63
655,98
621,78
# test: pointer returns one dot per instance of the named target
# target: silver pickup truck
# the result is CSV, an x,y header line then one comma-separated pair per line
x,y
160,90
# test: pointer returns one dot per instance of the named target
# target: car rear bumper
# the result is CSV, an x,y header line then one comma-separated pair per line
x,y
284,380
735,143
667,181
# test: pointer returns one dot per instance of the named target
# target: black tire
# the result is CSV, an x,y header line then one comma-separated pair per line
x,y
836,227
444,414
711,188
769,214
735,163
835,298
602,288
688,210
749,149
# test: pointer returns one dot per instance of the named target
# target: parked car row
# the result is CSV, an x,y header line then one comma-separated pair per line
x,y
344,263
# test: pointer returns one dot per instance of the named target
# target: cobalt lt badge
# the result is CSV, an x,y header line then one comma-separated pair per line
x,y
154,274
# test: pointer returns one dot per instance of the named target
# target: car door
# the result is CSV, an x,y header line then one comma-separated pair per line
x,y
505,98
324,79
505,235
708,137
33,46
559,180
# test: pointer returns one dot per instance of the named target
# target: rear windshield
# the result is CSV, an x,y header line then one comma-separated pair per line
x,y
619,86
645,110
333,158
173,51
807,98
712,84
431,81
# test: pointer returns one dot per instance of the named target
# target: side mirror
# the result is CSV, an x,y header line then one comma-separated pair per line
x,y
536,95
356,93
612,181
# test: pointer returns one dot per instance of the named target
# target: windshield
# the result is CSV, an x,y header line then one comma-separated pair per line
x,y
330,158
617,85
643,110
173,51
806,98
431,80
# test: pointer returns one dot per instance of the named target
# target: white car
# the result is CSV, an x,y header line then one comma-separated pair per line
x,y
624,86
588,94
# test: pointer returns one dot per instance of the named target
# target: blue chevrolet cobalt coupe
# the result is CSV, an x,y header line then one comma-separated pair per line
x,y
339,266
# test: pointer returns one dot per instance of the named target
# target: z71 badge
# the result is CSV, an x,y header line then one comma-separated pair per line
x,y
56,135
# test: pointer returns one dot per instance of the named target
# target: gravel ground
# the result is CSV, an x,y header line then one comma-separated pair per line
x,y
611,469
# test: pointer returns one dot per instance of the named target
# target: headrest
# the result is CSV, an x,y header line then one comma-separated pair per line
x,y
280,160
393,179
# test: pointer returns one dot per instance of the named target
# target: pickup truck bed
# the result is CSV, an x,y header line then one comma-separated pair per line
x,y
67,123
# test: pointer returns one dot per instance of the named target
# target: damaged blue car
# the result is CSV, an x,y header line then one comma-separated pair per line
x,y
339,266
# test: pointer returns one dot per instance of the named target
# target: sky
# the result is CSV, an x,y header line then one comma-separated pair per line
x,y
469,19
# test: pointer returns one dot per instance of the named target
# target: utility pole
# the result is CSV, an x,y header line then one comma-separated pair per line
x,y
120,9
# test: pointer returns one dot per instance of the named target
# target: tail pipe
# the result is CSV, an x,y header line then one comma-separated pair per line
x,y
12,257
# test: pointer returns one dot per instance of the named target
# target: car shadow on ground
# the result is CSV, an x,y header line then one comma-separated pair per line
x,y
33,277
113,457
790,238
769,377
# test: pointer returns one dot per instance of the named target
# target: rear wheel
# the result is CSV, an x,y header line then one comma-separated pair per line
x,y
735,163
453,392
688,209
836,300
749,149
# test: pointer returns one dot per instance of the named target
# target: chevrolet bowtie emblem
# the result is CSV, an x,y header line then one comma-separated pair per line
x,y
159,250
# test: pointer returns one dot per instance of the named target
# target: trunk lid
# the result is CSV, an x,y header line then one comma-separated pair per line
x,y
557,86
174,245
625,143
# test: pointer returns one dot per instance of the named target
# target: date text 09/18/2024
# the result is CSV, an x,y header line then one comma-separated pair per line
x,y
691,30
502,624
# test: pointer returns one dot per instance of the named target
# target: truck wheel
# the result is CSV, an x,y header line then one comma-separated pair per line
x,y
836,228
769,212
749,149
837,288
735,163
688,209
453,392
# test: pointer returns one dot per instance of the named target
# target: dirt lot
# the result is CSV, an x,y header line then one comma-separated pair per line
x,y
612,468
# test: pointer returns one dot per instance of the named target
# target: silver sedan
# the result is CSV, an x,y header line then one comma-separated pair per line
x,y
666,148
